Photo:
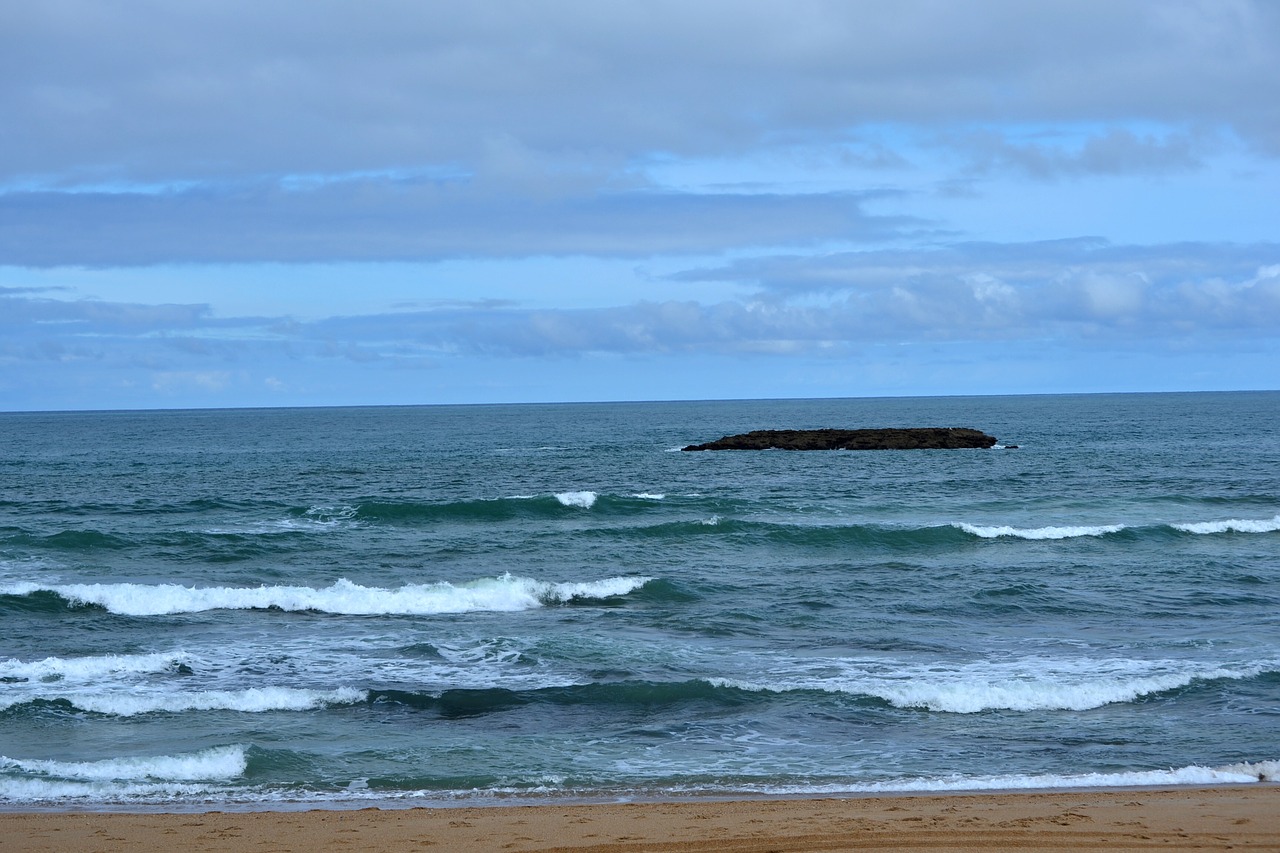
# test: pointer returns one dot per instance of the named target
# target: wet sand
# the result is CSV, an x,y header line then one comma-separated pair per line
x,y
1228,818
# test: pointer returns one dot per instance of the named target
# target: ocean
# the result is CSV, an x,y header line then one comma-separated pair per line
x,y
497,604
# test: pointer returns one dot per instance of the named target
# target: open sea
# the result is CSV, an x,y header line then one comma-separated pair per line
x,y
495,604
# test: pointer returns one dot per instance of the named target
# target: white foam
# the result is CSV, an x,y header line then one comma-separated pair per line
x,y
1231,774
607,588
225,762
1232,525
651,496
1027,684
37,790
332,514
710,522
254,700
1066,532
94,666
584,500
315,519
503,593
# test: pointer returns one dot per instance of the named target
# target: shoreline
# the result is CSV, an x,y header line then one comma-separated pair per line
x,y
657,797
1240,817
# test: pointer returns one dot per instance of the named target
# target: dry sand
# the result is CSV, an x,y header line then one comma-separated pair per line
x,y
1231,818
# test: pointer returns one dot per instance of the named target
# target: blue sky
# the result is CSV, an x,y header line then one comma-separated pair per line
x,y
322,203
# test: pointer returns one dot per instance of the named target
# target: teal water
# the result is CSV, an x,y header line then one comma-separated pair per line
x,y
436,604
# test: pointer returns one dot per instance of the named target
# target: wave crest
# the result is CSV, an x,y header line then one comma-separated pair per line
x,y
253,700
93,666
1232,525
1031,684
503,593
584,500
224,762
1064,532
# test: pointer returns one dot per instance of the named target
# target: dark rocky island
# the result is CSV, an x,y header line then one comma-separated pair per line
x,y
918,438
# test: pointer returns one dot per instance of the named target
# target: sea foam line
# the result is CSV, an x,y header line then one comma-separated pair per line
x,y
503,593
1229,774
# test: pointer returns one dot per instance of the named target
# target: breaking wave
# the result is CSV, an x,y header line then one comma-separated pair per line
x,y
225,762
1232,525
161,778
503,593
1065,532
1026,685
94,666
253,700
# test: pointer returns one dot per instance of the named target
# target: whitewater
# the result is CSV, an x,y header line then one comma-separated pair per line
x,y
495,604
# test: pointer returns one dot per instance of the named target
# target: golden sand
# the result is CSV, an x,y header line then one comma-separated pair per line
x,y
1227,818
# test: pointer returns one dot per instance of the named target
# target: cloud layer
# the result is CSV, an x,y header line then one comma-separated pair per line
x,y
898,188
143,90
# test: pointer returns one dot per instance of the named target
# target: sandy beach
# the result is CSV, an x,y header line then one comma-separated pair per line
x,y
1230,818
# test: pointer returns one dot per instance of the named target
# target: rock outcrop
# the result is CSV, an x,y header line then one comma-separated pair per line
x,y
917,438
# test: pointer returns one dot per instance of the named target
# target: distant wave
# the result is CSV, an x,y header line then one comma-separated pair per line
x,y
585,500
503,593
253,700
519,505
1066,532
316,519
1232,525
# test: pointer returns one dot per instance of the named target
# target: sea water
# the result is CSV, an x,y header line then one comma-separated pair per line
x,y
498,603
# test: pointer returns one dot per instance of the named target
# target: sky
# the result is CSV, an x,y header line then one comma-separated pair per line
x,y
221,203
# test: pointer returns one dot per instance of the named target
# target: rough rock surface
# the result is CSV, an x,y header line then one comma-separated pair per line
x,y
918,438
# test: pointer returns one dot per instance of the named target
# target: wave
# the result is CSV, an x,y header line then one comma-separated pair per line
x,y
224,762
1065,532
94,666
145,779
1026,686
585,500
467,702
1230,774
219,789
67,540
316,519
503,593
514,506
253,700
1031,684
38,790
1231,525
